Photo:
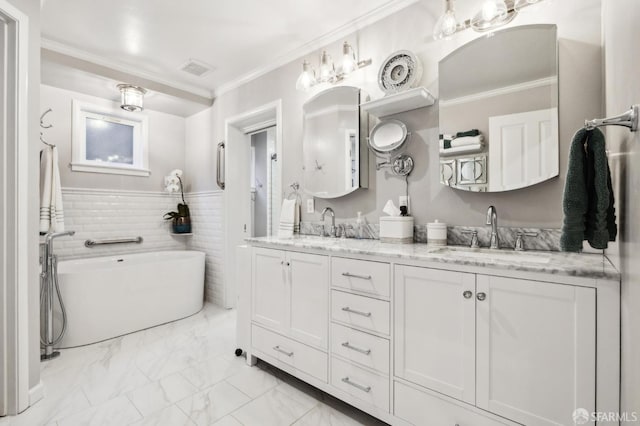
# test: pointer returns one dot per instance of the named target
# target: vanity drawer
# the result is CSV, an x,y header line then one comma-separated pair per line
x,y
302,357
359,347
369,387
361,275
420,408
360,311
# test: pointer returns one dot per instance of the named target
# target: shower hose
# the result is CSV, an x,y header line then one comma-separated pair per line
x,y
48,283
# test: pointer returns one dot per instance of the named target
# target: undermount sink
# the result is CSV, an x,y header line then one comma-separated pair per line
x,y
499,255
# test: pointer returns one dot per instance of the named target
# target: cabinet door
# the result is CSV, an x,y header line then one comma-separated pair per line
x,y
308,315
269,288
435,330
535,350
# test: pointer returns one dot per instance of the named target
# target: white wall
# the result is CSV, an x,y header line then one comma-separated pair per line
x,y
622,66
580,97
166,143
200,151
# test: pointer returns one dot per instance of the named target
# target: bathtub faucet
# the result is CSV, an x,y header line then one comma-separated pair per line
x,y
48,249
48,290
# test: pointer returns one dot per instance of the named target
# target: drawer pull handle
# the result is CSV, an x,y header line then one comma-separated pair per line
x,y
362,277
282,351
356,385
353,311
355,348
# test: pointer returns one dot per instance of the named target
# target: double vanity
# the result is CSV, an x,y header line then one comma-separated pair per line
x,y
422,335
428,335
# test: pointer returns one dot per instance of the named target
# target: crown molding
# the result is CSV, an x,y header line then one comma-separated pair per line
x,y
63,49
369,18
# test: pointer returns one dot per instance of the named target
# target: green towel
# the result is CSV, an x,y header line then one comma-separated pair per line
x,y
588,198
575,202
600,219
472,132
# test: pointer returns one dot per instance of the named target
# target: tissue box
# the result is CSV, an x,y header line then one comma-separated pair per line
x,y
396,229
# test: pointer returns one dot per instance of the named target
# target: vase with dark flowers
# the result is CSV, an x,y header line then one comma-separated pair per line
x,y
181,219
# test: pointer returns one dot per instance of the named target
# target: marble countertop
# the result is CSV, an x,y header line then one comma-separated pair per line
x,y
558,263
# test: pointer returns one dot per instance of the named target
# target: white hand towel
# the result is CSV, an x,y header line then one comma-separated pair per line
x,y
467,140
51,212
288,218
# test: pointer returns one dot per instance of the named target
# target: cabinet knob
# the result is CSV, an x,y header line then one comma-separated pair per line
x,y
288,264
467,294
481,296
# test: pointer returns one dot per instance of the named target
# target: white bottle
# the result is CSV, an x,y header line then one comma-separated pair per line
x,y
360,226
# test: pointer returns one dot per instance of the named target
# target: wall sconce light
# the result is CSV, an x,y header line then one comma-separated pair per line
x,y
131,97
327,70
447,24
492,15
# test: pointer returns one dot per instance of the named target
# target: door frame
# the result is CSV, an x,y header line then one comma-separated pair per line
x,y
237,206
14,214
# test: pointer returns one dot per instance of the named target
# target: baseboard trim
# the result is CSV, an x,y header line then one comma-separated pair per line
x,y
36,393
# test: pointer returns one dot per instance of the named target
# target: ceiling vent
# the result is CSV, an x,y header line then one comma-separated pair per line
x,y
197,68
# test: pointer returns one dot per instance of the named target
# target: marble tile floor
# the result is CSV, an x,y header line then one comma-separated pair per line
x,y
181,373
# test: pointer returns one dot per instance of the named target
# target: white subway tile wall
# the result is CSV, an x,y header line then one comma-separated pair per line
x,y
105,214
208,236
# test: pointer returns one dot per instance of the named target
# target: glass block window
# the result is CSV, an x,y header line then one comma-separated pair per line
x,y
109,140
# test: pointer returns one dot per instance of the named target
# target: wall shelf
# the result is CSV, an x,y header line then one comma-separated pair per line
x,y
182,234
418,97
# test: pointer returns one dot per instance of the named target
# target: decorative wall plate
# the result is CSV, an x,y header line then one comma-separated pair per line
x,y
400,71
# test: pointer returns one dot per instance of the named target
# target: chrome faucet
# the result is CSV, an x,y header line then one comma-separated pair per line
x,y
492,219
332,230
47,251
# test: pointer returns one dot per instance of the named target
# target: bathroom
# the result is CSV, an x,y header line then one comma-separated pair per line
x,y
72,57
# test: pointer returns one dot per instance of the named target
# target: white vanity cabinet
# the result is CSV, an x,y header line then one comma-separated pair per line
x,y
435,330
535,349
421,342
521,349
290,293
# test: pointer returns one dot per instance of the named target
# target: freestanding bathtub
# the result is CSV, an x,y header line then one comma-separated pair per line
x,y
110,296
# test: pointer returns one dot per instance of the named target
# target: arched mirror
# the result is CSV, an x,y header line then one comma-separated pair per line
x,y
334,159
499,111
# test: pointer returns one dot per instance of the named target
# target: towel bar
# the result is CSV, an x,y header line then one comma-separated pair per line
x,y
91,243
628,119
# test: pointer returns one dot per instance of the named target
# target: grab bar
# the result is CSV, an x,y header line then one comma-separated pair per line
x,y
628,119
91,243
220,165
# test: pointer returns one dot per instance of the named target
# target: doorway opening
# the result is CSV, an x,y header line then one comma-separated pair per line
x,y
264,180
239,216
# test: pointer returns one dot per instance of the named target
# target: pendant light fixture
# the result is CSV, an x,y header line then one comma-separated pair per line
x,y
349,63
327,70
307,78
446,25
131,97
492,14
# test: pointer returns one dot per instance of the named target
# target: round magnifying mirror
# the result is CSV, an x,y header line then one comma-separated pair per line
x,y
387,136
